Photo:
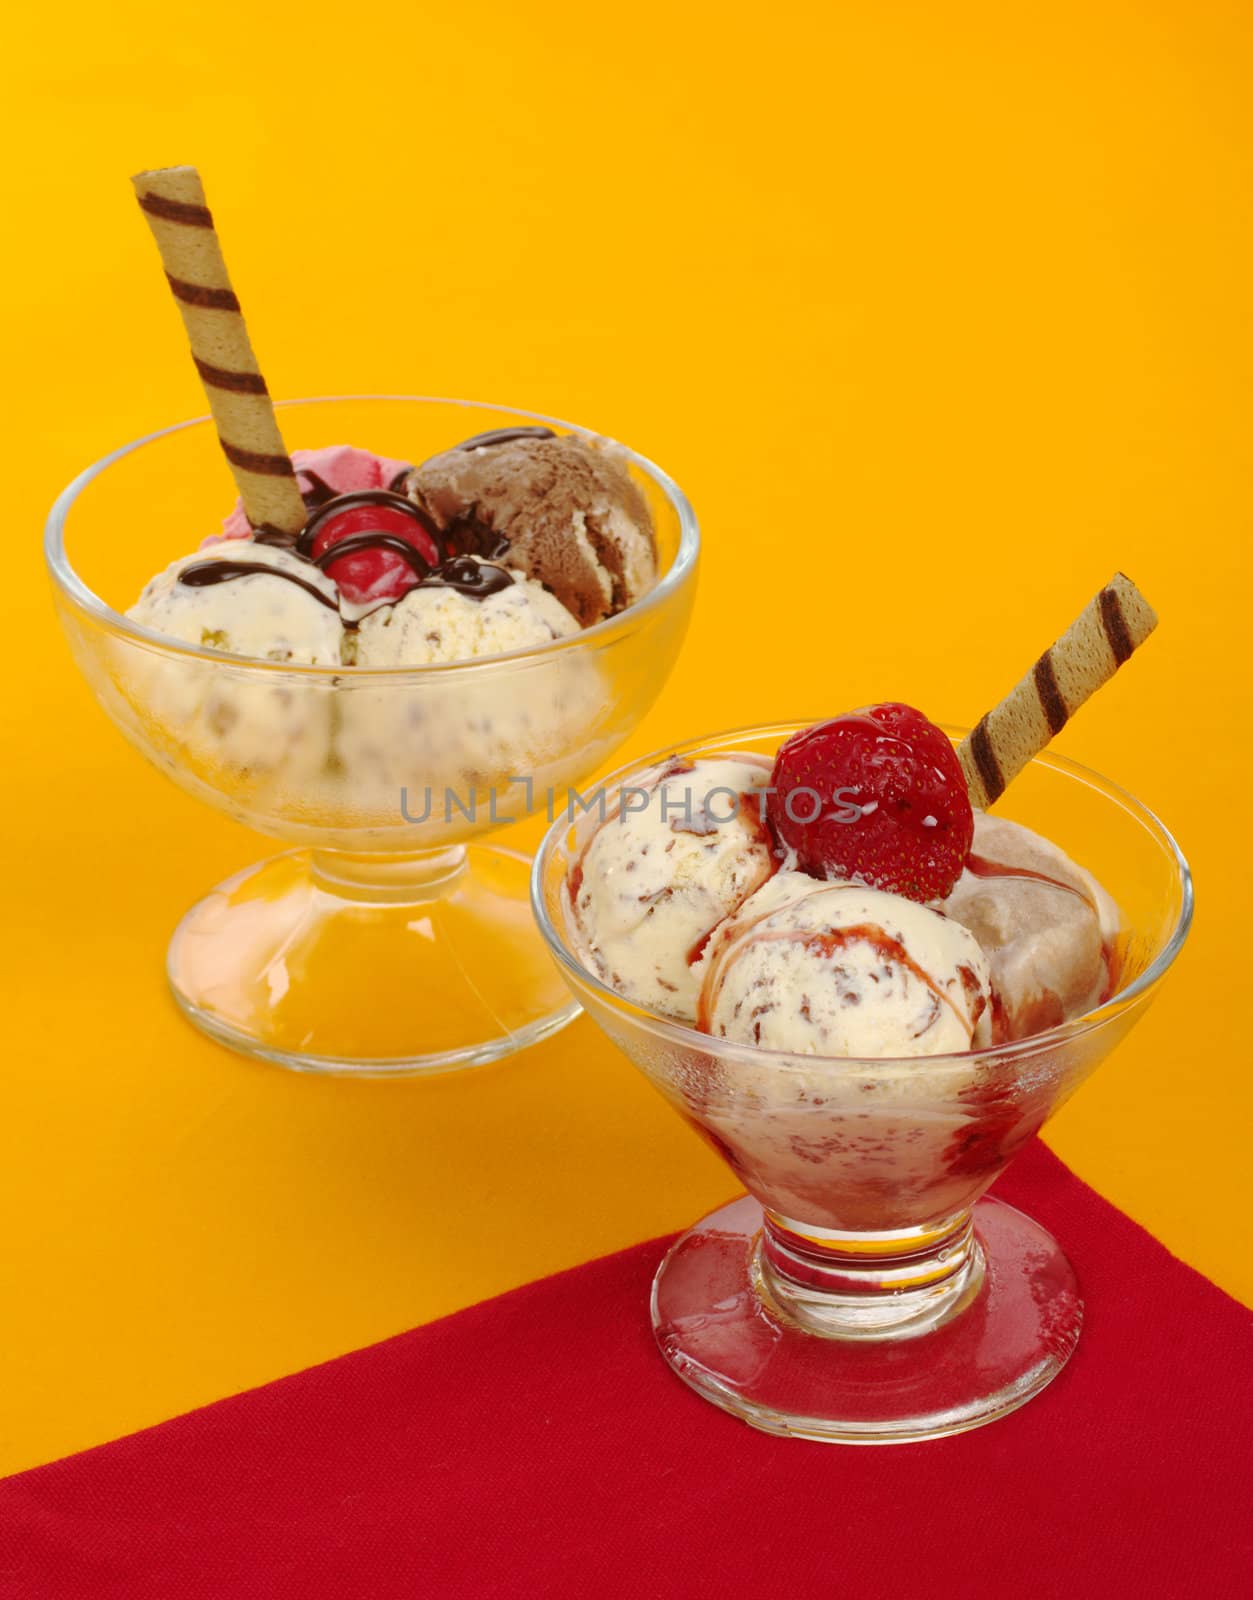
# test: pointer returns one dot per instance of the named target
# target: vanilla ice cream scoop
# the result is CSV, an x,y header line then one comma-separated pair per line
x,y
246,599
468,608
1046,926
837,969
676,852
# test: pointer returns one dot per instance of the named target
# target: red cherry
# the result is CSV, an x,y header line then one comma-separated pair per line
x,y
877,794
373,574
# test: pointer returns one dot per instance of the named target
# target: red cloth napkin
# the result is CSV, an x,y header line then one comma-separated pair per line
x,y
536,1445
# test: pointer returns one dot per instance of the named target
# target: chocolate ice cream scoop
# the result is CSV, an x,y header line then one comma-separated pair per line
x,y
573,518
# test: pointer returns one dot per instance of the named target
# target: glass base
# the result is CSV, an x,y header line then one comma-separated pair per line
x,y
746,1356
371,966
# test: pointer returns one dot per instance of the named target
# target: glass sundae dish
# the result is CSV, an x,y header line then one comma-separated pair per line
x,y
866,994
384,778
388,650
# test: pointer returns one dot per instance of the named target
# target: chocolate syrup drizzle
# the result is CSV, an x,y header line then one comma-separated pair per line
x,y
356,542
352,501
474,579
467,535
318,492
206,574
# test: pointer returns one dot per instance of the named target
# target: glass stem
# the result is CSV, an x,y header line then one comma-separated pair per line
x,y
868,1285
387,879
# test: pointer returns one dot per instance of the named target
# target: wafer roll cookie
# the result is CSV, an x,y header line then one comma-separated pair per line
x,y
1086,656
173,202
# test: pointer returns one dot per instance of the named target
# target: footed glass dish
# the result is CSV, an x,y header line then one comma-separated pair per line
x,y
865,1291
389,938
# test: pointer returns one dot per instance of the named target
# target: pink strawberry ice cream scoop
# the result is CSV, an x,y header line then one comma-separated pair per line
x,y
322,474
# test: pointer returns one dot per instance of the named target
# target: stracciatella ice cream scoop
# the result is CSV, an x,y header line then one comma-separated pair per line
x,y
472,608
239,598
821,970
677,851
574,518
1045,925
246,599
837,969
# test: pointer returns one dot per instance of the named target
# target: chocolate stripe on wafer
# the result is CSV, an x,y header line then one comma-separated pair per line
x,y
984,758
1108,630
173,204
191,294
1115,625
238,382
176,211
250,461
1051,702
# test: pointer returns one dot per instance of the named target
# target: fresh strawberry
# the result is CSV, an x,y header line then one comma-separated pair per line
x,y
379,569
884,801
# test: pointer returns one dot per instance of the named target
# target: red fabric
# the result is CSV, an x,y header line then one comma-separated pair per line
x,y
536,1446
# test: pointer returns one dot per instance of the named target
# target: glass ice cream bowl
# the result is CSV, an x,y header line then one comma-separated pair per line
x,y
389,938
866,1291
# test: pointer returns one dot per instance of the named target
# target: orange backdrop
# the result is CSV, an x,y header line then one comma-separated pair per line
x,y
953,301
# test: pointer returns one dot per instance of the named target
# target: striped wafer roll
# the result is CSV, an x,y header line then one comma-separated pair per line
x,y
172,200
1087,655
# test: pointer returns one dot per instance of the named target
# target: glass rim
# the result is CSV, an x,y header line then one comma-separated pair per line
x,y
690,1037
86,599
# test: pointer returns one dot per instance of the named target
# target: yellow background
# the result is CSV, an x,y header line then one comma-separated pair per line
x,y
939,313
